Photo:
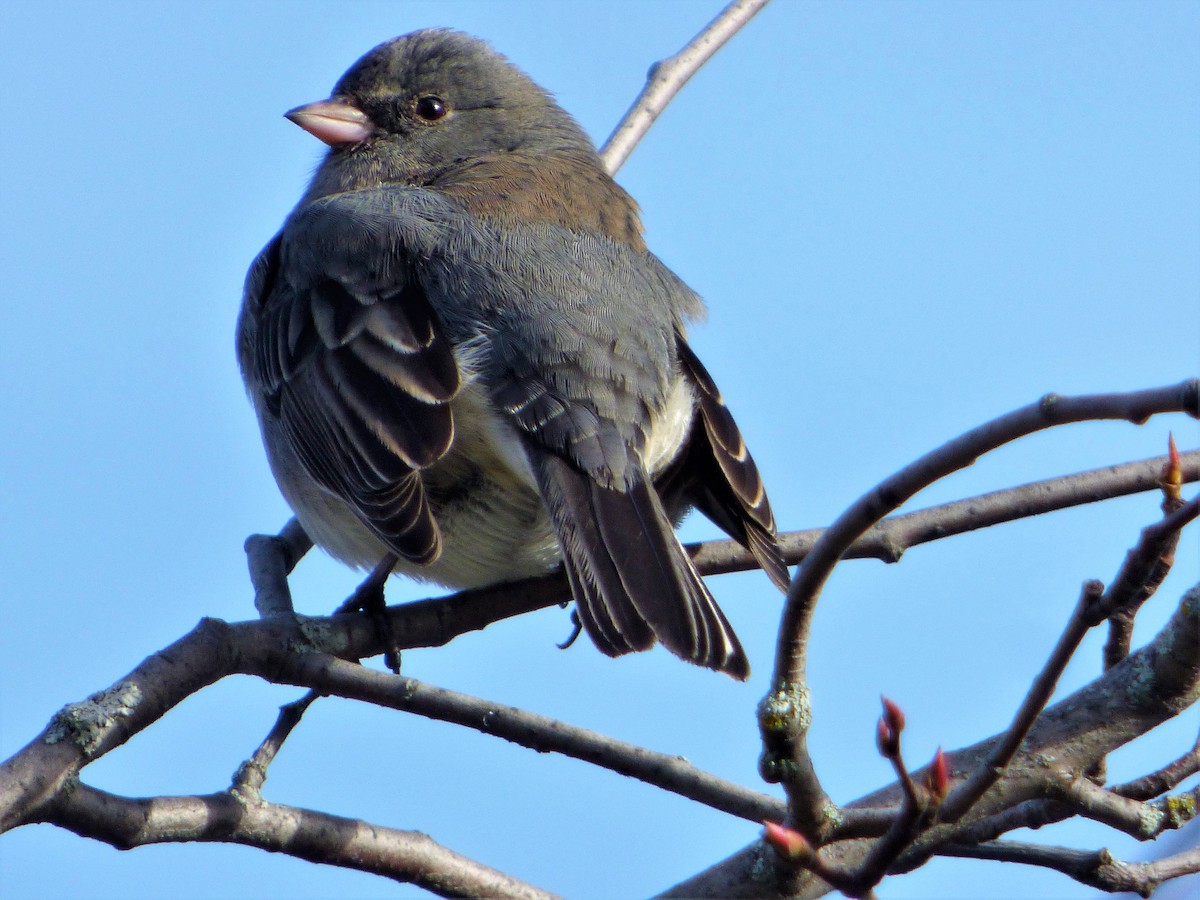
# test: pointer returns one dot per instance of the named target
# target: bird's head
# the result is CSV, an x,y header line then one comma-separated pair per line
x,y
420,105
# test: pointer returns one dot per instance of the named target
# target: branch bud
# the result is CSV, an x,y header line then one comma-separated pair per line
x,y
788,843
937,777
887,732
893,713
1171,479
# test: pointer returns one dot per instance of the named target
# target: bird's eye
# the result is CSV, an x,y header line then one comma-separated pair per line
x,y
431,108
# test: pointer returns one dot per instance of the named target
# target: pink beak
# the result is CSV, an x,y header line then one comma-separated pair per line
x,y
335,122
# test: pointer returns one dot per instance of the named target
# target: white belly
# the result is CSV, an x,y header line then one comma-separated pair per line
x,y
493,525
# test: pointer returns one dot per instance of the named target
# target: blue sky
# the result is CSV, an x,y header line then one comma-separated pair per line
x,y
906,218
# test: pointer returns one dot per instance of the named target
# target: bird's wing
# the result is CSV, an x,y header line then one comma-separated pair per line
x,y
353,361
722,479
584,365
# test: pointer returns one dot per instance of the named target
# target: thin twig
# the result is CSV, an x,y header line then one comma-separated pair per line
x,y
669,75
1050,411
1165,779
1033,814
438,620
1121,622
889,539
1144,820
1143,564
435,621
252,774
1151,687
785,752
1098,869
916,812
965,795
273,556
1095,605
1158,681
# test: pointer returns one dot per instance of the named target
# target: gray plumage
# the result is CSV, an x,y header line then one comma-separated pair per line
x,y
460,352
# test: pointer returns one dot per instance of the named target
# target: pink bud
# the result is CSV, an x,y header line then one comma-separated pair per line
x,y
937,777
894,714
788,843
1171,479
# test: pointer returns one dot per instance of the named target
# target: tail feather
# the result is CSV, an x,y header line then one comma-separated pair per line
x,y
631,579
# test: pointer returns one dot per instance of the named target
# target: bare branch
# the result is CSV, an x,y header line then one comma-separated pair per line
x,y
1165,779
438,620
919,805
271,559
1033,814
252,774
889,539
1050,411
1142,820
669,75
963,797
31,781
1120,623
214,649
785,753
1112,806
1155,683
1143,564
1083,795
1098,869
537,732
404,856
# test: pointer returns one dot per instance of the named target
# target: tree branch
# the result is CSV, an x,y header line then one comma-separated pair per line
x,y
34,778
436,621
1141,571
669,75
404,856
1153,684
1142,820
1165,779
252,774
992,769
214,649
271,558
889,539
541,733
784,716
1098,869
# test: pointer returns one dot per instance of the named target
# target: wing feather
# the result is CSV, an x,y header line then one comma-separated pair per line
x,y
355,364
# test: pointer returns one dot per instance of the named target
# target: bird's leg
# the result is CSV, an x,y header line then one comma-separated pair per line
x,y
368,597
576,630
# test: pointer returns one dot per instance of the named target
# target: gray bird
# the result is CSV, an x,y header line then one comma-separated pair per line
x,y
462,354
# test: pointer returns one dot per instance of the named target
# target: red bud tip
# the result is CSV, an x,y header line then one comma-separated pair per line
x,y
894,715
1172,473
937,778
1171,478
788,843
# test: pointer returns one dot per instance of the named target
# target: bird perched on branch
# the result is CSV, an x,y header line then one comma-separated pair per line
x,y
462,355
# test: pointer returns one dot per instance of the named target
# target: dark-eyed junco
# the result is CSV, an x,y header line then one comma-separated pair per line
x,y
461,353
